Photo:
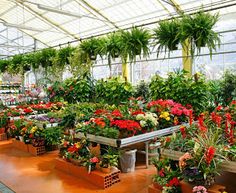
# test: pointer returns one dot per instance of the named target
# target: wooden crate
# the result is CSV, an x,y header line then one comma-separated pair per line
x,y
229,166
3,136
36,150
20,145
96,177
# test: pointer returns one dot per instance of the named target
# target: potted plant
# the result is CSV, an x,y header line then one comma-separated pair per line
x,y
200,166
167,177
89,49
113,46
134,42
63,55
52,137
166,36
109,160
198,30
46,57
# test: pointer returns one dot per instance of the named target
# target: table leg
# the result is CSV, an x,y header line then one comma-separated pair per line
x,y
146,154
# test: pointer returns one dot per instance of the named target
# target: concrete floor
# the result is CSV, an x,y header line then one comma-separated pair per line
x,y
24,173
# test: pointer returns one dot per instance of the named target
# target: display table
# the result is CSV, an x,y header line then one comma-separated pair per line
x,y
120,143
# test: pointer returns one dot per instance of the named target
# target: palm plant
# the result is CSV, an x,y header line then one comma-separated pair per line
x,y
134,42
166,36
198,30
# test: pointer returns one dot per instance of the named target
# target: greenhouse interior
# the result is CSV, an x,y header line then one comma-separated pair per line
x,y
117,96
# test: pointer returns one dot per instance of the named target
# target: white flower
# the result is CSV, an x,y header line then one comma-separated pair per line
x,y
143,123
140,117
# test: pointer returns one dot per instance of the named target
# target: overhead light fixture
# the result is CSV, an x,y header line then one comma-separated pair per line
x,y
63,12
59,11
22,27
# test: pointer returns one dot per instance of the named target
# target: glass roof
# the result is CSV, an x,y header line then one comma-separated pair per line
x,y
27,25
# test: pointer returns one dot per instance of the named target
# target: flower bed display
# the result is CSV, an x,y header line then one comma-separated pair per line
x,y
127,122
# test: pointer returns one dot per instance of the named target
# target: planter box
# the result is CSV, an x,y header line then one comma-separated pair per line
x,y
96,177
36,150
152,189
228,166
187,188
3,136
20,145
171,154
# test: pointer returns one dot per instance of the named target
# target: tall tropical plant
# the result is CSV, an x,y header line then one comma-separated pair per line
x,y
166,36
135,42
198,30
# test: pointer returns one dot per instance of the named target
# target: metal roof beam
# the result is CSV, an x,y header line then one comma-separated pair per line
x,y
45,19
96,11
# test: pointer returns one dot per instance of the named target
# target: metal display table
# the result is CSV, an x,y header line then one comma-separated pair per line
x,y
120,143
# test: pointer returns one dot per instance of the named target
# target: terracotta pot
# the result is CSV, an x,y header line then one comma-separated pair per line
x,y
186,187
106,170
2,130
157,186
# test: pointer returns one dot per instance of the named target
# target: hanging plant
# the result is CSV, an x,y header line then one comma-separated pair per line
x,y
113,46
89,49
15,64
63,55
3,65
166,36
198,30
47,56
135,42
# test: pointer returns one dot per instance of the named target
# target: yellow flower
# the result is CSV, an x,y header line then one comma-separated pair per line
x,y
77,145
167,118
164,115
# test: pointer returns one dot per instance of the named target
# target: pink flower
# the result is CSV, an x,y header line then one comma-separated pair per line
x,y
94,160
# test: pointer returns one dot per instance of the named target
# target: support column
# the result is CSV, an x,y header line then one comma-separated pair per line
x,y
125,71
187,59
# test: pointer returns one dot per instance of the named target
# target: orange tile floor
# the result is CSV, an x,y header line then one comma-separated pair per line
x,y
24,173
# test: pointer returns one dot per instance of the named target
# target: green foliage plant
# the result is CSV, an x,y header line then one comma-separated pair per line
x,y
166,36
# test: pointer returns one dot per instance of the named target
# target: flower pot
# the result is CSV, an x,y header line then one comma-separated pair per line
x,y
157,186
76,162
2,130
106,170
21,138
92,57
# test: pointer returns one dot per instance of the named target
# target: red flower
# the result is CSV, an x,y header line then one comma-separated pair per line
x,y
129,125
100,112
72,149
173,182
209,154
138,112
183,131
168,139
116,113
161,172
219,108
